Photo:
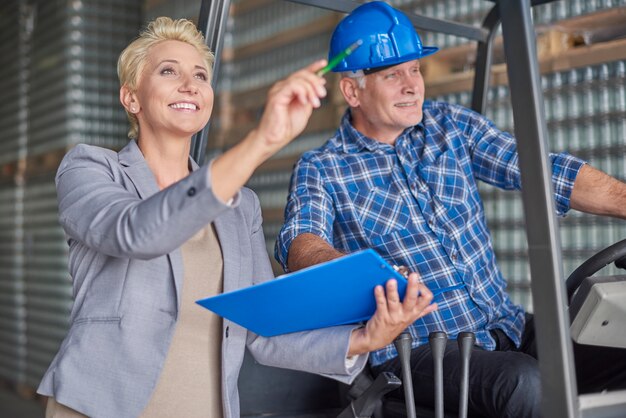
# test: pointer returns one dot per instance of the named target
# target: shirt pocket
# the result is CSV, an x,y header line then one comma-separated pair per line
x,y
447,180
381,211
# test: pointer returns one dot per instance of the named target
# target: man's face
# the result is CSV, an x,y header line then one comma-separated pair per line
x,y
390,102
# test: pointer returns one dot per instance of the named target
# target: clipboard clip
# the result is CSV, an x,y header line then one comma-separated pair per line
x,y
403,270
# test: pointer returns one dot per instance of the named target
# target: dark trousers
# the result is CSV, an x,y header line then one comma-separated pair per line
x,y
506,382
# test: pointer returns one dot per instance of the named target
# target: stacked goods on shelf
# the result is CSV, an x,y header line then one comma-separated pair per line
x,y
188,9
593,126
560,10
74,92
14,55
48,294
74,98
61,90
470,12
12,309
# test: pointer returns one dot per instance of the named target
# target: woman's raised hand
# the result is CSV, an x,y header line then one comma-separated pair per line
x,y
290,103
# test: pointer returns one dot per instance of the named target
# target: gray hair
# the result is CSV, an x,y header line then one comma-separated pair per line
x,y
358,76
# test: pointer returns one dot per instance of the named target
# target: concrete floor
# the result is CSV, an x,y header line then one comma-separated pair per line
x,y
14,406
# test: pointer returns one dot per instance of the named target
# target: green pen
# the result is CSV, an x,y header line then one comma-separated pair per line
x,y
337,58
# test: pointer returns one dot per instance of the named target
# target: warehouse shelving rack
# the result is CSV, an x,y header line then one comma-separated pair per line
x,y
560,395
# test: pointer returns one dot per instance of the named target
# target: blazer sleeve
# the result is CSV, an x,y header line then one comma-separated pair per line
x,y
321,351
100,206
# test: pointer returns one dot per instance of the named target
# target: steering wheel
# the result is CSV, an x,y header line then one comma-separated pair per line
x,y
615,253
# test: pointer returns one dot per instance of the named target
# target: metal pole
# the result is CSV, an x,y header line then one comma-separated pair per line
x,y
484,54
420,22
551,321
212,23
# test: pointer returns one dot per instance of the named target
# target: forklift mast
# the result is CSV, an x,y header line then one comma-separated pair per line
x,y
554,345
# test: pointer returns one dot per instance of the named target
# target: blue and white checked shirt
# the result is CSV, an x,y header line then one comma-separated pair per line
x,y
417,204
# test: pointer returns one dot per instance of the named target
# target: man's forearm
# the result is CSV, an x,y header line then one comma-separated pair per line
x,y
598,193
309,249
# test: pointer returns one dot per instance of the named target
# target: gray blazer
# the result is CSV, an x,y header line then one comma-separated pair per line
x,y
124,239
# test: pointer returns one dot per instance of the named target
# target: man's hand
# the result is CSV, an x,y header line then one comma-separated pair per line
x,y
392,316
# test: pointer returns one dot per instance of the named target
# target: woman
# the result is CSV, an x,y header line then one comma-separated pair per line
x,y
150,232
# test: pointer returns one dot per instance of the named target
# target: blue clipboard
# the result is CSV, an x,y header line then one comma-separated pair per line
x,y
338,292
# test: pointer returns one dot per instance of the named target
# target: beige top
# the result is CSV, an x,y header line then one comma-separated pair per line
x,y
189,385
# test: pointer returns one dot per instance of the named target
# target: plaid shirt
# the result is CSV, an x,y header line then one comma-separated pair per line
x,y
417,204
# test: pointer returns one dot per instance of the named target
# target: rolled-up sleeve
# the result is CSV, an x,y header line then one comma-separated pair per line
x,y
565,168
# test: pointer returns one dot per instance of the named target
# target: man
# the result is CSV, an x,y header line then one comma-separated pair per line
x,y
399,176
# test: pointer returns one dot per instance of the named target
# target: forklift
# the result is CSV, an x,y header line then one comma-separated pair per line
x,y
584,307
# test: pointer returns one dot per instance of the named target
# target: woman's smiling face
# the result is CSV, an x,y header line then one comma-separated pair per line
x,y
174,91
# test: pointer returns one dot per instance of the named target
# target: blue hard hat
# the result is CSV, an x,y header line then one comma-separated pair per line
x,y
387,35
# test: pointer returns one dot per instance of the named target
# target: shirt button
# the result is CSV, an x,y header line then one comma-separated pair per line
x,y
453,257
191,191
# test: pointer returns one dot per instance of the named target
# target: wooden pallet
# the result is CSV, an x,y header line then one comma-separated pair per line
x,y
582,56
32,166
323,119
573,43
594,28
321,25
273,214
44,164
23,391
248,6
324,24
9,171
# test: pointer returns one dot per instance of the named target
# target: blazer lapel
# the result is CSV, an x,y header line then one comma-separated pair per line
x,y
137,170
227,234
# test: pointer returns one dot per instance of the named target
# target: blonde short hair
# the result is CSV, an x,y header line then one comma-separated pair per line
x,y
133,58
